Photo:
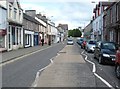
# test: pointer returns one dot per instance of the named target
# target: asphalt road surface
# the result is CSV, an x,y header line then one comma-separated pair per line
x,y
21,73
106,71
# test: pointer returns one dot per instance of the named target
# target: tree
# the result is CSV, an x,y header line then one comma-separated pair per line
x,y
74,33
70,33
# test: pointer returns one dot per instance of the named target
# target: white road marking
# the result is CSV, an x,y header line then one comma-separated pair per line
x,y
51,60
94,71
38,73
11,61
103,80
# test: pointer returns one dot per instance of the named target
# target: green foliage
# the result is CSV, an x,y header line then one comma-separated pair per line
x,y
74,33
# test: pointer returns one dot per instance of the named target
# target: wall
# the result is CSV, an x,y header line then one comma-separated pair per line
x,y
97,27
3,19
19,17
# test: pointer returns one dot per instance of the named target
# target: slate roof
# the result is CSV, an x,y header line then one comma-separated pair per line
x,y
25,16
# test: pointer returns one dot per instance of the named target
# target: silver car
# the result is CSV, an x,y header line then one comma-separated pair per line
x,y
90,46
70,42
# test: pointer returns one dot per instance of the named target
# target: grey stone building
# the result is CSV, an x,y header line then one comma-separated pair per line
x,y
31,31
112,23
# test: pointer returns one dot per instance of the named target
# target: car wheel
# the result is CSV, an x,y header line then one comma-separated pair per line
x,y
118,71
100,60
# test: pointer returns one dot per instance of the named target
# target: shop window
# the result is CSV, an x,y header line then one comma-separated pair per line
x,y
13,35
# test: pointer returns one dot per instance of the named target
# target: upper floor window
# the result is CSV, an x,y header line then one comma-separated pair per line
x,y
96,26
111,16
117,10
19,15
10,11
15,13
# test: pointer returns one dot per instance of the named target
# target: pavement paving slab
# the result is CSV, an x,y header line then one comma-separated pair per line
x,y
6,56
67,70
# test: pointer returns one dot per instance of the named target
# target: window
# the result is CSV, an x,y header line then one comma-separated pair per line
x,y
111,35
92,42
111,16
10,11
13,35
100,24
96,26
108,46
15,13
17,35
20,34
20,15
117,12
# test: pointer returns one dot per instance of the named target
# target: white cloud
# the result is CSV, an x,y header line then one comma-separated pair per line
x,y
75,13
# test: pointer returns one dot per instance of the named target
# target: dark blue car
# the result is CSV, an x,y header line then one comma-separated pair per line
x,y
105,52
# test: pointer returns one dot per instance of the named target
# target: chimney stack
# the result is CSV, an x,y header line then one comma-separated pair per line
x,y
31,13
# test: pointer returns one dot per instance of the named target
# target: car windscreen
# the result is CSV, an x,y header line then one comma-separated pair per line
x,y
70,40
108,46
92,42
81,39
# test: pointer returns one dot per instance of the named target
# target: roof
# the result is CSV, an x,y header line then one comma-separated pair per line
x,y
64,26
103,3
25,16
12,1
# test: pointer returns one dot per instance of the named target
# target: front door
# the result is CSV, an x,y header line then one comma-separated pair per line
x,y
9,38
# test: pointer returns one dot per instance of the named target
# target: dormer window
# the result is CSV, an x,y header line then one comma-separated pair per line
x,y
15,13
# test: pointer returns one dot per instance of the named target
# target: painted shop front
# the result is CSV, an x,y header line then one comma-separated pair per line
x,y
36,38
28,38
15,36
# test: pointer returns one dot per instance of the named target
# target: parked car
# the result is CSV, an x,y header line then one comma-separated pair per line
x,y
105,52
90,46
70,41
79,41
117,63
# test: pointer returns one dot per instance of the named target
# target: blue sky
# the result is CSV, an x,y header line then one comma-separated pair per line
x,y
75,13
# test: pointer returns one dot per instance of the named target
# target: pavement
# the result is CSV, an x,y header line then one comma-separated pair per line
x,y
67,70
7,56
21,71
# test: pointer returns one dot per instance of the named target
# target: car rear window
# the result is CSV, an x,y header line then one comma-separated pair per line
x,y
70,40
108,46
92,42
81,39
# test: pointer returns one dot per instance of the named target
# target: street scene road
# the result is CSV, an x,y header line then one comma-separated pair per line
x,y
60,43
67,68
22,72
105,71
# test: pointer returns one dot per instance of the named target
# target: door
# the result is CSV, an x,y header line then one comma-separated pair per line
x,y
9,38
